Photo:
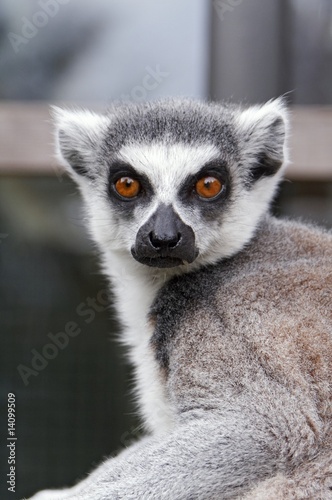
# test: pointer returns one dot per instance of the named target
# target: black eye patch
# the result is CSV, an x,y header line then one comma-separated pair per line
x,y
190,193
126,206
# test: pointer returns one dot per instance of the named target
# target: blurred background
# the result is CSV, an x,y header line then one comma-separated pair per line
x,y
74,407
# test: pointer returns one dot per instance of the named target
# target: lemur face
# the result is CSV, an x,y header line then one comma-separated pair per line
x,y
167,194
174,183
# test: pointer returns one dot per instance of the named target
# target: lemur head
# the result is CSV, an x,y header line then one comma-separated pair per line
x,y
175,183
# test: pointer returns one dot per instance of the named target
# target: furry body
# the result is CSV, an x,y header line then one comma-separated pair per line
x,y
233,352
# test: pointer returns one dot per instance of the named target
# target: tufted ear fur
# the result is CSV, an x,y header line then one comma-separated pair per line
x,y
263,131
78,136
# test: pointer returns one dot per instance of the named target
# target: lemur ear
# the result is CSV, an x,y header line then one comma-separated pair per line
x,y
78,135
263,136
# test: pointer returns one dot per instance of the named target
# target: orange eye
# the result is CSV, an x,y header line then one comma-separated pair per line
x,y
127,187
208,187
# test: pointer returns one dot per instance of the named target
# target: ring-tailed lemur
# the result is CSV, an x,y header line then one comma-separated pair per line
x,y
226,310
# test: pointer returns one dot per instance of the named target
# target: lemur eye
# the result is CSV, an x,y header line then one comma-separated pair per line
x,y
208,187
127,187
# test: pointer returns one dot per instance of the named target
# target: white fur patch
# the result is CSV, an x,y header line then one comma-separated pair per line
x,y
167,166
77,130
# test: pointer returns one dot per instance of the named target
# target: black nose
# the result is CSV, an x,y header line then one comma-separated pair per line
x,y
164,241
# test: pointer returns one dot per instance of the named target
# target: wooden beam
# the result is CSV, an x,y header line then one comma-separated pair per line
x,y
26,142
311,143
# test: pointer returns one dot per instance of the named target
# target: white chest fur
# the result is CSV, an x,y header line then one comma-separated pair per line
x,y
135,291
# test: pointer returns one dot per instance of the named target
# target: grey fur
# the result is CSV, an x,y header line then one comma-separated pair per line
x,y
243,345
187,121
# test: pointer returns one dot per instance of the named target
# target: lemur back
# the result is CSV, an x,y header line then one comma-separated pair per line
x,y
226,311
